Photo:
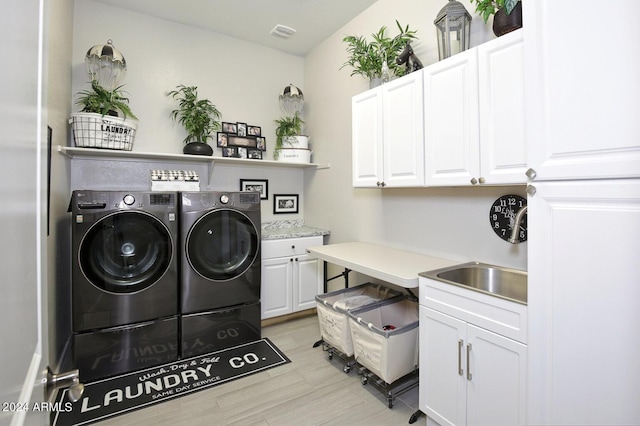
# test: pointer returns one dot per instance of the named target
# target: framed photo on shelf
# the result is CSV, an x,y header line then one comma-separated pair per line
x,y
261,143
229,127
242,141
254,154
254,131
260,185
242,129
230,151
223,139
285,203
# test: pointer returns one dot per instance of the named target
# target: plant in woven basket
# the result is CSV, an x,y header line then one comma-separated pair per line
x,y
287,126
367,57
105,102
199,117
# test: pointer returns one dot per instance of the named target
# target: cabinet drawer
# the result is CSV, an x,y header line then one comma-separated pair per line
x,y
288,246
500,316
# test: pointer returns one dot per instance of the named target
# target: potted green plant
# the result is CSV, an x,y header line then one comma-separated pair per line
x,y
507,14
101,101
289,138
105,120
369,58
199,117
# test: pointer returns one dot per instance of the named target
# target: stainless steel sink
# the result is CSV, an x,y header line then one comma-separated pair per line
x,y
506,283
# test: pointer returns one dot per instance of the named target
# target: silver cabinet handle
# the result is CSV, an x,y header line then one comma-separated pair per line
x,y
531,174
482,180
474,181
531,190
460,370
468,368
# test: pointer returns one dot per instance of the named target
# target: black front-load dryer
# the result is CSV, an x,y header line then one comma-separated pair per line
x,y
124,267
220,278
221,249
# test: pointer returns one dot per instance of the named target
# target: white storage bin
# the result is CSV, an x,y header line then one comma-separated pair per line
x,y
332,311
385,337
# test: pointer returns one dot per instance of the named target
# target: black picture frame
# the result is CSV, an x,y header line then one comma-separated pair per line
x,y
222,140
260,185
229,127
254,130
241,129
242,152
254,154
230,152
261,143
247,142
285,203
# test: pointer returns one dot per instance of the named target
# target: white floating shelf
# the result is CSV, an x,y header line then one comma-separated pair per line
x,y
72,152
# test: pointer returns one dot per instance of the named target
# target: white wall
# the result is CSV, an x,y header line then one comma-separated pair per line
x,y
446,222
242,79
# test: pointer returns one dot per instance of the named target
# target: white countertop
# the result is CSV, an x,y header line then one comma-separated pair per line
x,y
391,265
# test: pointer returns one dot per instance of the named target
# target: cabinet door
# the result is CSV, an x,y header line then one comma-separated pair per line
x,y
276,297
582,91
583,303
307,282
496,380
503,152
451,120
366,122
442,367
403,130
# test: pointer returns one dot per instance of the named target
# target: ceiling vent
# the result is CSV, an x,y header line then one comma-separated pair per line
x,y
282,31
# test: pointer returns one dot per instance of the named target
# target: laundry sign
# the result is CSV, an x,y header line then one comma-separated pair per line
x,y
121,394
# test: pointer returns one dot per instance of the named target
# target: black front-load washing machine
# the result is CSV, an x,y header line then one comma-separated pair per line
x,y
220,272
124,280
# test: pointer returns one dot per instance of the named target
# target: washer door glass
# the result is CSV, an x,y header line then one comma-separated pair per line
x,y
222,245
126,252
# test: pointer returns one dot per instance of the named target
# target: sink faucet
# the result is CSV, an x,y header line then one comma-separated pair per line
x,y
516,225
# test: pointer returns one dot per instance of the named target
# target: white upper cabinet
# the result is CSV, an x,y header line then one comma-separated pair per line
x,y
366,129
387,133
503,150
452,150
474,116
582,90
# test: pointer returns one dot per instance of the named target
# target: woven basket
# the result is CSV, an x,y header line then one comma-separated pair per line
x,y
92,130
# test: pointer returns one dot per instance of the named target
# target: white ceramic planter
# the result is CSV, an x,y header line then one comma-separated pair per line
x,y
295,155
301,142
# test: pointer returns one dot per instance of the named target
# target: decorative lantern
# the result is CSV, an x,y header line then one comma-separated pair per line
x,y
453,27
106,65
291,100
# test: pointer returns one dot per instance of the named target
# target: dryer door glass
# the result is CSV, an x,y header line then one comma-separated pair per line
x,y
222,245
126,252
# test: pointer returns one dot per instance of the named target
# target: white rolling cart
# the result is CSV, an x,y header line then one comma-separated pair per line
x,y
392,266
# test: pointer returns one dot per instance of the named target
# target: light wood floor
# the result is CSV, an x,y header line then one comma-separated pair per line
x,y
311,390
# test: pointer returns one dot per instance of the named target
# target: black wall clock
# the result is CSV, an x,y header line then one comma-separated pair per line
x,y
503,214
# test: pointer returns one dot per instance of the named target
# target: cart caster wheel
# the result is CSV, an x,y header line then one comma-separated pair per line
x,y
346,369
390,402
330,355
364,380
415,416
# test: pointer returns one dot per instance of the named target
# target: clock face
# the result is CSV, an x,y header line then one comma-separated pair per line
x,y
503,214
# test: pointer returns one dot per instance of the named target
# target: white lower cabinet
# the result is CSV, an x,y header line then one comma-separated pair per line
x,y
291,279
470,375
